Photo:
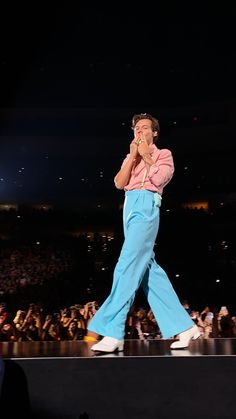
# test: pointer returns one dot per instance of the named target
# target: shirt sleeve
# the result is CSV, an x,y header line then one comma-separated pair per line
x,y
125,160
122,165
162,170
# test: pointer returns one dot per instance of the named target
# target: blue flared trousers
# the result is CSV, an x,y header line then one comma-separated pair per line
x,y
137,266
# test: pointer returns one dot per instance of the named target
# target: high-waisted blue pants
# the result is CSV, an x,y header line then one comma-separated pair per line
x,y
137,266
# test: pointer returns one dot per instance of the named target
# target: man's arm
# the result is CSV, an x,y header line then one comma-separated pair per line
x,y
123,176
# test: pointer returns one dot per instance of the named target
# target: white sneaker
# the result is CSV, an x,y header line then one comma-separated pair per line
x,y
185,337
108,344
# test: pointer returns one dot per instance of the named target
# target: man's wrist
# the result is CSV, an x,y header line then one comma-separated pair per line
x,y
147,158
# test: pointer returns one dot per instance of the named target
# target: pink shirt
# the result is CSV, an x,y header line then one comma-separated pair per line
x,y
159,175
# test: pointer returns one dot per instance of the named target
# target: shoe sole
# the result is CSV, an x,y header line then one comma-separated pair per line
x,y
118,349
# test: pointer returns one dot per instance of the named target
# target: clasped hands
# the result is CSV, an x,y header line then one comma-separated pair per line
x,y
137,142
141,146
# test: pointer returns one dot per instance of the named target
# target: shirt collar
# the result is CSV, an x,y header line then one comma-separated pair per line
x,y
153,148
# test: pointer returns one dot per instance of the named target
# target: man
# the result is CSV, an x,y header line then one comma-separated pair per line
x,y
144,173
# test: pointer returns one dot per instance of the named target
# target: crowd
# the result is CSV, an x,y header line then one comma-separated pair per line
x,y
35,282
70,323
31,265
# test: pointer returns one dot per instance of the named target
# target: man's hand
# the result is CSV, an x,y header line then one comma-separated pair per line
x,y
143,147
134,148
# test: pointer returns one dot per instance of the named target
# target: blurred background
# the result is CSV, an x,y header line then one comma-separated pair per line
x,y
71,79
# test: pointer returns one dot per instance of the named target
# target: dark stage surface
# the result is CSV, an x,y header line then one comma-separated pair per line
x,y
66,380
133,348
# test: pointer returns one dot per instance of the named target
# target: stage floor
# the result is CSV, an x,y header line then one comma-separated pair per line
x,y
66,380
220,347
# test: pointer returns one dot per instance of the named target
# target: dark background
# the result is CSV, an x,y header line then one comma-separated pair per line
x,y
72,77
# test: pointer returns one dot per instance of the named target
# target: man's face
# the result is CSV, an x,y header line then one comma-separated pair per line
x,y
143,128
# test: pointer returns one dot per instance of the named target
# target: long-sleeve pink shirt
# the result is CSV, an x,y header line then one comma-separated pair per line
x,y
160,173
